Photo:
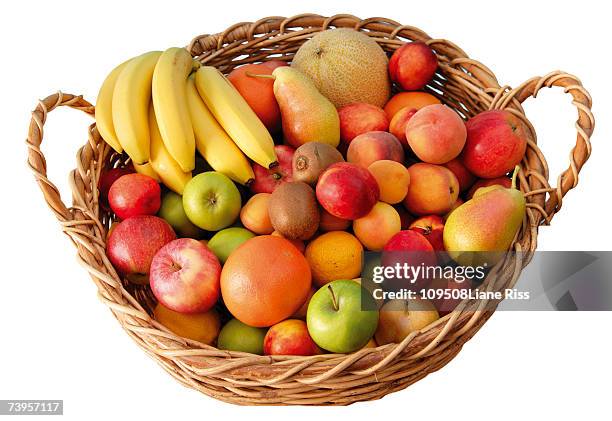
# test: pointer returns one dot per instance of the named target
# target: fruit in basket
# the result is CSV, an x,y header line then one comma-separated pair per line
x,y
185,276
410,100
311,159
335,319
133,242
169,91
289,337
213,143
393,180
306,114
236,336
104,109
172,211
265,280
360,117
432,228
378,226
448,304
266,180
254,214
133,195
294,211
374,146
334,255
433,189
465,178
329,222
224,242
397,126
211,201
258,93
436,134
413,65
346,66
235,116
130,105
482,229
409,247
162,163
496,143
107,178
201,327
347,191
501,181
400,318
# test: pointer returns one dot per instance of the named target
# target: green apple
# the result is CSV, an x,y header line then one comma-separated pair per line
x,y
172,211
335,319
211,201
226,240
236,336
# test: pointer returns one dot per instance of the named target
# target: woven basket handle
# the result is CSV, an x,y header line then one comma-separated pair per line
x,y
36,159
580,153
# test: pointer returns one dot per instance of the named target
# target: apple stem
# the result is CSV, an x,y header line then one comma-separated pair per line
x,y
334,301
514,175
261,76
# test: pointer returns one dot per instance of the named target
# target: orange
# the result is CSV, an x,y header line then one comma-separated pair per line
x,y
415,99
265,280
334,255
201,327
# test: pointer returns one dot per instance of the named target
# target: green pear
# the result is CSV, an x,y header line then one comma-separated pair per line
x,y
482,229
307,115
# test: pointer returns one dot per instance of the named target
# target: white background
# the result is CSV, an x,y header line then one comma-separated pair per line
x,y
59,342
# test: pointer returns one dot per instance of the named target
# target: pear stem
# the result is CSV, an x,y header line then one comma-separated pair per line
x,y
261,76
514,175
333,296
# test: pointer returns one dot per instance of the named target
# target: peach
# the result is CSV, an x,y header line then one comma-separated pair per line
x,y
393,180
254,214
374,146
289,337
415,100
299,244
433,189
413,65
358,118
376,228
398,124
258,92
436,134
330,222
464,176
502,181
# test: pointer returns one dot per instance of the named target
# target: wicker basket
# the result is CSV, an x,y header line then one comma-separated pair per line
x,y
462,83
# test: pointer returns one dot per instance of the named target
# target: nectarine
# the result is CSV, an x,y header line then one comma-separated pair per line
x,y
433,189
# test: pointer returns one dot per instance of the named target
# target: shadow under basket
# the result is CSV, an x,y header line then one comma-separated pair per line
x,y
462,83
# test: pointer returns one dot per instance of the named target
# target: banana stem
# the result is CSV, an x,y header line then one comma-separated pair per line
x,y
514,175
261,76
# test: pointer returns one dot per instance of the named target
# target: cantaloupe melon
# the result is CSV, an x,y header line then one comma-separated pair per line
x,y
346,66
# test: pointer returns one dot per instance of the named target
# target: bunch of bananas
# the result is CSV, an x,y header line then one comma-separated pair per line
x,y
160,107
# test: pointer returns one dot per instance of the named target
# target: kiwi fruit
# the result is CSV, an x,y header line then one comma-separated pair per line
x,y
293,210
311,159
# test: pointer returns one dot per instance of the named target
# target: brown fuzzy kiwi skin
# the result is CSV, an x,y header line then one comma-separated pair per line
x,y
293,210
311,159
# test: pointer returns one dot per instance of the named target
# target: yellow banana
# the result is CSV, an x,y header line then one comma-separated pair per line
x,y
131,101
104,108
164,165
147,169
235,116
170,102
213,143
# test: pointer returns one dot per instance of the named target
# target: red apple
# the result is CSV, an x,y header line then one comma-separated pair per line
x,y
266,180
496,143
347,191
106,181
133,195
431,227
411,248
413,65
289,337
502,181
447,305
185,276
133,242
273,64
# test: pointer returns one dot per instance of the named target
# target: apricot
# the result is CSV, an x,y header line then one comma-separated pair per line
x,y
393,180
376,228
254,214
358,118
374,146
415,100
436,134
433,189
